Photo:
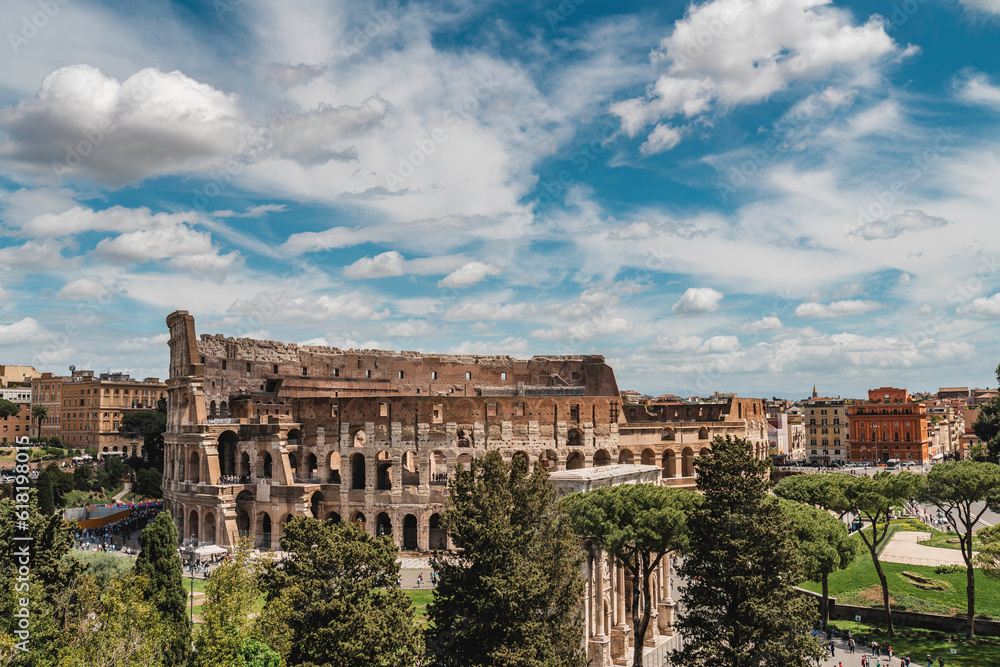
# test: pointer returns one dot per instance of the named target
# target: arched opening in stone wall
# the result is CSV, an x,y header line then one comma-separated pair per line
x,y
574,438
359,518
648,457
625,457
294,437
463,438
465,460
574,461
669,464
548,460
687,456
311,466
333,517
410,532
315,503
224,409
194,470
265,530
208,531
192,527
293,463
227,452
438,536
439,468
211,410
705,451
358,471
383,525
360,439
411,469
601,458
243,522
703,433
668,434
383,471
334,468
264,464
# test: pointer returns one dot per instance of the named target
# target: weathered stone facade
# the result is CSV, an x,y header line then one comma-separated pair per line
x,y
259,431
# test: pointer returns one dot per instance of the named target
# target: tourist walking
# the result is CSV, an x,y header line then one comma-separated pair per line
x,y
850,644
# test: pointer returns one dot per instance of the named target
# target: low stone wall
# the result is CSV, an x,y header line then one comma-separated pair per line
x,y
876,616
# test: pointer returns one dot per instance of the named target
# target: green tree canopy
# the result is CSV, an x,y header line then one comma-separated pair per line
x,y
826,491
823,543
39,413
510,594
160,564
964,491
741,609
46,497
339,598
638,524
150,425
225,628
8,409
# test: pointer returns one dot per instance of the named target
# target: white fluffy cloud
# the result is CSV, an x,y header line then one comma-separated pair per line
x,y
733,52
186,248
586,330
83,289
115,219
380,266
82,123
836,309
469,274
22,331
977,88
908,221
983,307
483,310
769,323
698,300
988,6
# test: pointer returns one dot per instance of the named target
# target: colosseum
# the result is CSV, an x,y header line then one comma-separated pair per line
x,y
260,431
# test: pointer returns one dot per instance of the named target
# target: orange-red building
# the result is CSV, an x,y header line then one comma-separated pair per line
x,y
889,426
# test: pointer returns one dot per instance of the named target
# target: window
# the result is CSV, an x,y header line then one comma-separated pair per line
x,y
519,409
434,375
836,451
368,374
223,368
491,409
248,367
576,376
503,376
468,375
274,369
336,372
574,413
438,414
383,409
305,371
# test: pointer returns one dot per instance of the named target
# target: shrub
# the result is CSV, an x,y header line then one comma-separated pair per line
x,y
950,569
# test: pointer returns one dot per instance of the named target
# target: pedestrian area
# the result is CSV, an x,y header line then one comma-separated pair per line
x,y
903,548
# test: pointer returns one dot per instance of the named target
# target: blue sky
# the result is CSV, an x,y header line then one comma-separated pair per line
x,y
735,195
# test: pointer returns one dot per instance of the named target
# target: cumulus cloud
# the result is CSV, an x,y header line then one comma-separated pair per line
x,y
733,52
720,345
86,124
185,248
469,274
673,344
380,266
698,300
155,343
83,289
335,237
317,136
252,212
769,323
910,220
22,331
33,256
513,346
982,307
836,309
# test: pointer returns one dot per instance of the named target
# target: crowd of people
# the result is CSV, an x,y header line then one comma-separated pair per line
x,y
235,479
113,536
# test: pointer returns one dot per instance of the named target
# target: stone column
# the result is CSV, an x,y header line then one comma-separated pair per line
x,y
599,646
620,633
665,617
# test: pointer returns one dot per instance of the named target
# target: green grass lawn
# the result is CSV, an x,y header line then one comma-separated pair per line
x,y
85,498
859,585
941,539
922,643
419,601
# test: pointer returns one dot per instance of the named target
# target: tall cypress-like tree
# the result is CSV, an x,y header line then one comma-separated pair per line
x,y
160,563
510,596
740,606
46,497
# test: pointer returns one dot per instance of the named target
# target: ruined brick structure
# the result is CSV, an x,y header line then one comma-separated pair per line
x,y
260,431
